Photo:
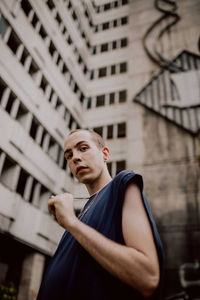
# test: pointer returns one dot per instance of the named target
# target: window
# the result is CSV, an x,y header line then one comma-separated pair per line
x,y
3,26
26,7
123,67
115,23
121,165
122,96
10,102
42,33
121,130
43,84
33,69
89,103
34,20
34,128
22,182
110,132
102,72
24,56
13,42
52,48
99,130
124,2
8,173
124,20
124,42
113,70
104,47
105,26
114,45
112,98
107,6
2,88
100,100
50,4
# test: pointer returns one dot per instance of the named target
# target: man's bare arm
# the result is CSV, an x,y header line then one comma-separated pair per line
x,y
136,263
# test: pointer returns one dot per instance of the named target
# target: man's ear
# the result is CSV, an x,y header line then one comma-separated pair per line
x,y
106,154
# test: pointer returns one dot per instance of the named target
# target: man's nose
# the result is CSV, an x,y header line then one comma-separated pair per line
x,y
76,156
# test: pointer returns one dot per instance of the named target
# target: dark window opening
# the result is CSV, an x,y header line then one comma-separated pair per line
x,y
124,20
50,4
121,165
112,98
34,183
124,2
9,104
43,84
102,72
89,103
114,45
121,130
58,19
22,182
34,20
42,33
24,56
110,132
69,40
122,96
13,42
107,6
2,88
52,48
33,69
105,26
113,70
124,42
26,7
123,67
74,16
34,128
99,130
100,100
104,47
115,23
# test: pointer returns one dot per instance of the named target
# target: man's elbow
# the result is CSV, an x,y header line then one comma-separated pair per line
x,y
151,286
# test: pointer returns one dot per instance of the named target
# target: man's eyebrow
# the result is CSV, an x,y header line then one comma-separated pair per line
x,y
68,150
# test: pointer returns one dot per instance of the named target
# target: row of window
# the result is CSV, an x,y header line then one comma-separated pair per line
x,y
107,99
71,9
18,180
108,6
108,71
108,25
112,131
57,58
31,67
18,111
121,43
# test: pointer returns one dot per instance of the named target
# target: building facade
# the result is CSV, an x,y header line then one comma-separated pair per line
x,y
127,69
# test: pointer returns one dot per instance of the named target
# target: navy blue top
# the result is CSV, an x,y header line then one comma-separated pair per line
x,y
73,274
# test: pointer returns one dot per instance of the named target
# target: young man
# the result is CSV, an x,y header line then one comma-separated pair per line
x,y
113,248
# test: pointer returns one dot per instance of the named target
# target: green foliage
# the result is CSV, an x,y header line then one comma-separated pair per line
x,y
8,292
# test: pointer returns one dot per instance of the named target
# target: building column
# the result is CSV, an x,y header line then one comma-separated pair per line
x,y
32,270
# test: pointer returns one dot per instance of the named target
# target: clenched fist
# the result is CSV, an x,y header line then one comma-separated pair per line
x,y
62,207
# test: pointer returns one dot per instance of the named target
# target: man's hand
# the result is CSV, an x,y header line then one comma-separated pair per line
x,y
62,207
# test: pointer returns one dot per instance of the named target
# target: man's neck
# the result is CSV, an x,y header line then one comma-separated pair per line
x,y
98,184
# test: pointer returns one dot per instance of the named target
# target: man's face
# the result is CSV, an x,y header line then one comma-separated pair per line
x,y
84,158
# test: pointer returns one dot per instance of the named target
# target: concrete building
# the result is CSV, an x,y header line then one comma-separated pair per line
x,y
130,71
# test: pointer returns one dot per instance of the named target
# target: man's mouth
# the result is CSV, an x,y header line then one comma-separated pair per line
x,y
80,169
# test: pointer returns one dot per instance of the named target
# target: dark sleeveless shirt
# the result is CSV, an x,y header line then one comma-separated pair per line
x,y
73,274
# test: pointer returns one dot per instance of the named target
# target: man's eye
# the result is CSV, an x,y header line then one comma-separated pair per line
x,y
83,148
69,156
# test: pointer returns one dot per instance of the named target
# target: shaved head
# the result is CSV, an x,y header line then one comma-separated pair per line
x,y
95,136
